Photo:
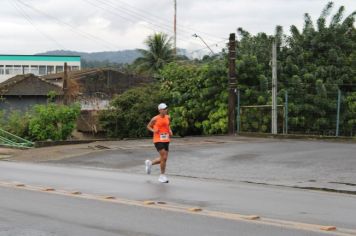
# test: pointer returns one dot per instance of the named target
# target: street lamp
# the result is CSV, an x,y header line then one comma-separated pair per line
x,y
197,36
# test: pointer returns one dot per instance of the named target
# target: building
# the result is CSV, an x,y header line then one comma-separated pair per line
x,y
21,92
91,88
12,65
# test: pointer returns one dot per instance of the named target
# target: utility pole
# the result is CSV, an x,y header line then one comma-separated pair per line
x,y
175,27
65,84
274,87
232,85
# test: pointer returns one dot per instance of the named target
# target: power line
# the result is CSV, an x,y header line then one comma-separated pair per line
x,y
153,26
71,27
162,25
74,29
22,12
163,21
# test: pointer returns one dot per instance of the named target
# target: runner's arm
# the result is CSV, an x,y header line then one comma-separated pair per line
x,y
170,130
151,124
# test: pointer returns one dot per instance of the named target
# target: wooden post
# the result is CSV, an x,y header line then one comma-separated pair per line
x,y
65,84
232,85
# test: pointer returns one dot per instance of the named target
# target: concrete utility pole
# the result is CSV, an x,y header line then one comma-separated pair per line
x,y
274,88
175,27
232,85
65,84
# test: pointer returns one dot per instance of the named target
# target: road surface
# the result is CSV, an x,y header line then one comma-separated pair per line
x,y
30,210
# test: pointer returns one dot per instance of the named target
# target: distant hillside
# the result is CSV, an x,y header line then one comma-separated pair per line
x,y
115,57
119,57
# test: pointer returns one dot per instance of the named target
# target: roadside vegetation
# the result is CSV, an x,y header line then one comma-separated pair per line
x,y
42,122
314,63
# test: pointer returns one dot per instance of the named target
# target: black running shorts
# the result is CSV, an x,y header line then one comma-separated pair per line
x,y
162,145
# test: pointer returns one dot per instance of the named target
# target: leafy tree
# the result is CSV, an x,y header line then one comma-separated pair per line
x,y
199,96
159,52
314,64
131,111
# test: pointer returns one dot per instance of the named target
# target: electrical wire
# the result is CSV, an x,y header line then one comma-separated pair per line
x,y
144,13
22,12
71,27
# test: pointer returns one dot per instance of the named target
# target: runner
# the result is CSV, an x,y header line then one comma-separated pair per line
x,y
160,127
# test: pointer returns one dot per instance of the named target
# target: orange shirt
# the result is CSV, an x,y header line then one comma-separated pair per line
x,y
162,125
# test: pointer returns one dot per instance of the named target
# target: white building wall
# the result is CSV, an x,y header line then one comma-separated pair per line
x,y
9,69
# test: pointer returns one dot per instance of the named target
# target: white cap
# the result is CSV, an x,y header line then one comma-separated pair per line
x,y
162,106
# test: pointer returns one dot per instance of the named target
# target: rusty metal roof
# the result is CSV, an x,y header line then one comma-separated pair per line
x,y
28,85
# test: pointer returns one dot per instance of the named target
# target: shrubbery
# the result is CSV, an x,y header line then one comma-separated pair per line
x,y
130,112
42,122
53,121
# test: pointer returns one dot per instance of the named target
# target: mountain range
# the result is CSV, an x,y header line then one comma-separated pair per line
x,y
119,57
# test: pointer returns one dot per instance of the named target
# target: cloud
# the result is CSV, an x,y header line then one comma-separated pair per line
x,y
96,25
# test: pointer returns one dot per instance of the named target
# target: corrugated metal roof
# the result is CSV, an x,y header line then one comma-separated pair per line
x,y
28,85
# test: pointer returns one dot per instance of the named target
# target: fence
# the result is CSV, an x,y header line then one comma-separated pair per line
x,y
328,113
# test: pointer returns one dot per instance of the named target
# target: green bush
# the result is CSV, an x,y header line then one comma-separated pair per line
x,y
131,111
53,121
16,123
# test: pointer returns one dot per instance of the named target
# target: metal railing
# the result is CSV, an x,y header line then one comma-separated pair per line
x,y
11,140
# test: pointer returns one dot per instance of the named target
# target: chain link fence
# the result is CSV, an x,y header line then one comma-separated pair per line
x,y
329,113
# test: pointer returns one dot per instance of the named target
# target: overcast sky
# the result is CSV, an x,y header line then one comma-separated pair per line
x,y
32,26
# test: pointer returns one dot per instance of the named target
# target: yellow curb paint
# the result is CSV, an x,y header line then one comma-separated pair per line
x,y
253,217
195,209
328,228
148,202
48,189
109,197
76,193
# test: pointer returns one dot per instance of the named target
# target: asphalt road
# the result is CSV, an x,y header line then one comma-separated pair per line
x,y
40,214
295,163
228,178
28,212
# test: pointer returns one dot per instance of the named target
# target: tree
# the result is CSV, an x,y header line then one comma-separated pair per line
x,y
315,63
159,53
131,111
198,95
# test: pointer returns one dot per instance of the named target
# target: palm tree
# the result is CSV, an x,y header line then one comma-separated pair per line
x,y
159,53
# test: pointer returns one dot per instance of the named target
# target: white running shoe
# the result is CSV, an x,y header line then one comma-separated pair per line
x,y
148,165
163,179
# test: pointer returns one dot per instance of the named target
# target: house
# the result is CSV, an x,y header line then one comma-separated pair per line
x,y
92,88
96,88
23,91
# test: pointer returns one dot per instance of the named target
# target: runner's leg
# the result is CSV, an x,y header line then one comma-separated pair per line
x,y
156,161
164,155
